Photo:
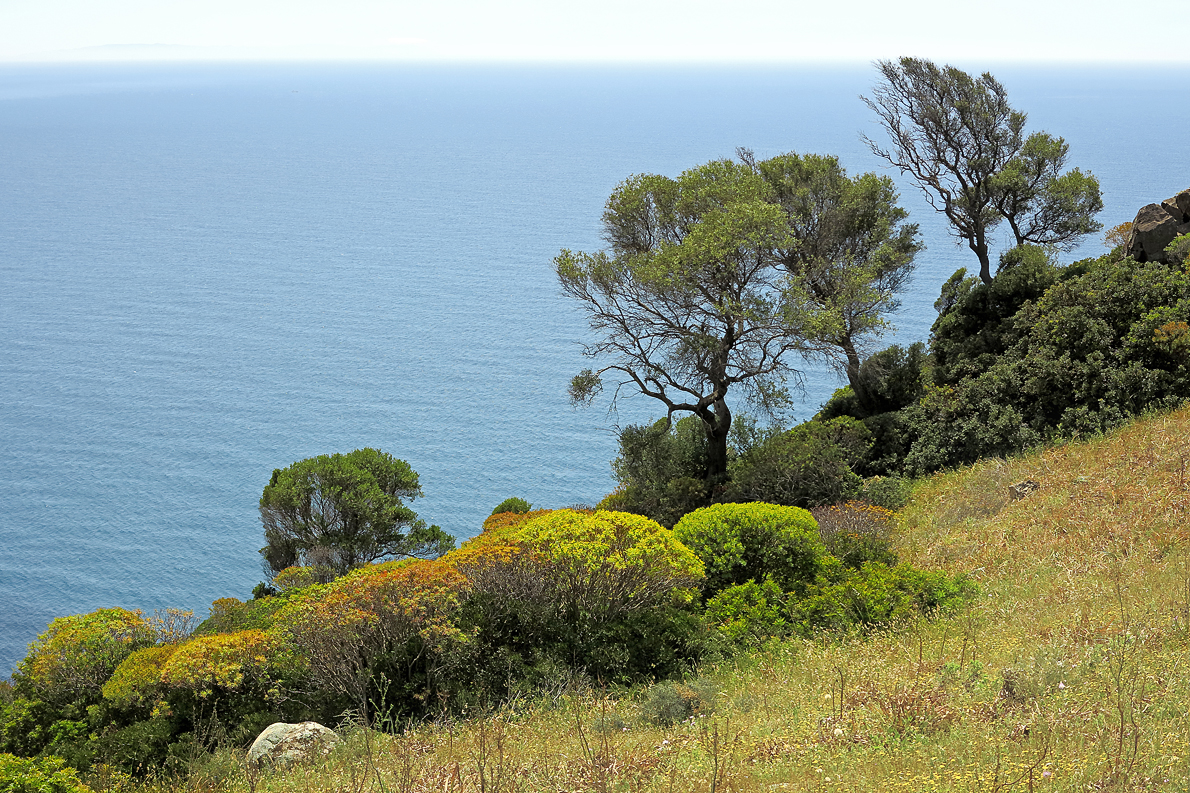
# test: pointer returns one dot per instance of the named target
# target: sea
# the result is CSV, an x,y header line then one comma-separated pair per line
x,y
209,271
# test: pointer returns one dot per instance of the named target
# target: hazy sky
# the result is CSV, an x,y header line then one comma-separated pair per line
x,y
586,30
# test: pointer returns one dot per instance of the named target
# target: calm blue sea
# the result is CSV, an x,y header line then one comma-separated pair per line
x,y
208,272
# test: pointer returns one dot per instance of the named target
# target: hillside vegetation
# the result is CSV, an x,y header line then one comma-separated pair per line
x,y
1069,672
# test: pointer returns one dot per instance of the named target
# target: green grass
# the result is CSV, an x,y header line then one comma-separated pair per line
x,y
1069,673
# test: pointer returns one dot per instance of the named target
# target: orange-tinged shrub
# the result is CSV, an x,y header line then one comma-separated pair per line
x,y
1174,338
505,519
1117,235
76,655
857,532
137,680
342,627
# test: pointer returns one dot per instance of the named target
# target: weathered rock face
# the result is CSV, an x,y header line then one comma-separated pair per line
x,y
1182,200
284,745
1157,225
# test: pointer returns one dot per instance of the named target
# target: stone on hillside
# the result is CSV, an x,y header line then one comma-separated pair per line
x,y
1153,229
1182,199
1021,489
1170,205
284,745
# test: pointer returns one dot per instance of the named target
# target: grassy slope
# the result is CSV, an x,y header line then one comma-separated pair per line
x,y
1069,673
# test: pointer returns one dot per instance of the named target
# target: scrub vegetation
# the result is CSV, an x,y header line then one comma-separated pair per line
x,y
969,572
1066,672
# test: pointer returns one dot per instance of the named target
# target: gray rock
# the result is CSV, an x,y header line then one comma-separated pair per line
x,y
284,745
1021,489
1182,199
1170,205
1153,229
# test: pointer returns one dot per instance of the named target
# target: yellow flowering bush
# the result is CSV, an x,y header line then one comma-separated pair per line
x,y
599,564
137,680
76,655
227,661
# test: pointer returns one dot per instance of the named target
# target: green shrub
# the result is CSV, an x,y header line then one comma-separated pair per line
x,y
889,380
808,465
295,577
1178,251
876,595
976,322
671,702
856,533
665,503
46,774
24,726
890,492
661,470
747,614
229,615
518,505
742,542
958,425
137,749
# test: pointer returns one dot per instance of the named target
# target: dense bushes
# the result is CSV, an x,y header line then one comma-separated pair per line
x,y
602,592
770,573
875,594
742,542
387,633
808,465
38,775
1042,352
516,505
661,470
73,658
536,600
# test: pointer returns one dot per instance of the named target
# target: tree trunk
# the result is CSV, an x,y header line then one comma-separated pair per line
x,y
980,246
853,365
718,423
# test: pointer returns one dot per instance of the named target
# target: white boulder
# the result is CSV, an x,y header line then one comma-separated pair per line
x,y
283,745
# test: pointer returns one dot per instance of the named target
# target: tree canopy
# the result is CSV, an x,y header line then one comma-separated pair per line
x,y
721,278
853,254
960,141
341,511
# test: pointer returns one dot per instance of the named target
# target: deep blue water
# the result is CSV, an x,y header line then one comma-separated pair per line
x,y
207,272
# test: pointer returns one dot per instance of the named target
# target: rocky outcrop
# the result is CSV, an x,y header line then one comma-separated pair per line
x,y
1157,225
283,745
1021,489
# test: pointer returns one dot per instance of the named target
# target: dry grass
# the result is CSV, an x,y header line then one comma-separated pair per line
x,y
1069,673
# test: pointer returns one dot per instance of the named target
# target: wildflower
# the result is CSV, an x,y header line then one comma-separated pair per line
x,y
838,732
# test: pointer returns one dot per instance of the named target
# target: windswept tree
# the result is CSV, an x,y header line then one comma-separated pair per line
x,y
960,141
340,511
724,277
1043,205
852,252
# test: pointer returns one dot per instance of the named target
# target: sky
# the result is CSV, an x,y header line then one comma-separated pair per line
x,y
615,31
